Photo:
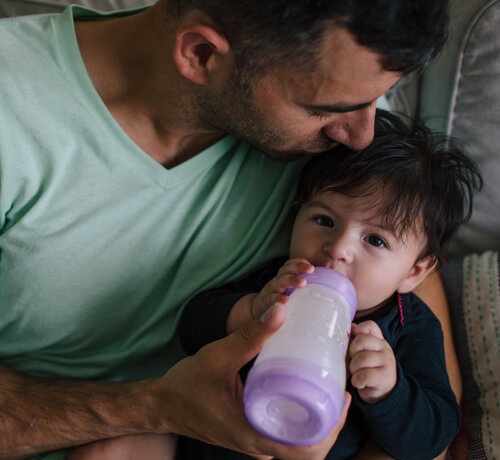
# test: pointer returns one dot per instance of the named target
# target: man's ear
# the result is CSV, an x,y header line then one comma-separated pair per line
x,y
417,273
199,50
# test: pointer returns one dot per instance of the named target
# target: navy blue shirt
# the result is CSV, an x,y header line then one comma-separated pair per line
x,y
417,420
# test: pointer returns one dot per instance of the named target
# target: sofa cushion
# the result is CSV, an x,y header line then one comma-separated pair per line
x,y
473,292
459,94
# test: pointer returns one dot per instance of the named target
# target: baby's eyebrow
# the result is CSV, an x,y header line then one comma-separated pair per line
x,y
319,204
386,228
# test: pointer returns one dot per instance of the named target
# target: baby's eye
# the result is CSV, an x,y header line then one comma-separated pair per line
x,y
376,241
324,221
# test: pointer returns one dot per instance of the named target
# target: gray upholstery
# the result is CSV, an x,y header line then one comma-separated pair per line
x,y
460,94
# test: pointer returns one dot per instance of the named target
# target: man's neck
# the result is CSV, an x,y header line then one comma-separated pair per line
x,y
129,61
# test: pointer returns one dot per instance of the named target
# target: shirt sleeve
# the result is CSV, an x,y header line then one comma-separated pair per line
x,y
421,416
204,317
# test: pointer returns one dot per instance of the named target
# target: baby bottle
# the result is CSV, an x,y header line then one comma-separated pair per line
x,y
294,392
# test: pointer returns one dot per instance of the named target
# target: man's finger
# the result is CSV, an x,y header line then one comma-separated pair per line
x,y
245,343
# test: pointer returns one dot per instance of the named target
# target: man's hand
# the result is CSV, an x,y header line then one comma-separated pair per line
x,y
372,363
202,396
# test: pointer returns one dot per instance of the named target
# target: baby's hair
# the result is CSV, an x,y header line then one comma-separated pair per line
x,y
426,180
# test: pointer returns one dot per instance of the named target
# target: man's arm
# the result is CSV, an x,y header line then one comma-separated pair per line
x,y
39,415
200,397
432,293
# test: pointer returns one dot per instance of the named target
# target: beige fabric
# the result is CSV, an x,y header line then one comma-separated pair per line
x,y
460,94
481,308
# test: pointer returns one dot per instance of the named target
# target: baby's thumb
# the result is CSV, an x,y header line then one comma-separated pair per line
x,y
245,343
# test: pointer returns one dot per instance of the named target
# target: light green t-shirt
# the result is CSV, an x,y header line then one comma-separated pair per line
x,y
100,245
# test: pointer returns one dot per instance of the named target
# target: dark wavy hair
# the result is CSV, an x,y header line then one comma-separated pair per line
x,y
427,181
264,33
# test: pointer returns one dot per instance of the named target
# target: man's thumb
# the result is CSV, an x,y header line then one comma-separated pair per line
x,y
245,343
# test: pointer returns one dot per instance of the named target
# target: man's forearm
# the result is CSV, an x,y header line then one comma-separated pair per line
x,y
432,293
201,396
39,415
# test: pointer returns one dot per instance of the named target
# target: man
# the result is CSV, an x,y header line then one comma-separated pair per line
x,y
122,195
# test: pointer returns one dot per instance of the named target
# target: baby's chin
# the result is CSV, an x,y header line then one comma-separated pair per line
x,y
366,307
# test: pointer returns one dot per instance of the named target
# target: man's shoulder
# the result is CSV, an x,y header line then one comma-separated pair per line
x,y
23,30
28,46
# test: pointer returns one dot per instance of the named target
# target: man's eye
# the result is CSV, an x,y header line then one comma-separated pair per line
x,y
318,115
376,241
324,221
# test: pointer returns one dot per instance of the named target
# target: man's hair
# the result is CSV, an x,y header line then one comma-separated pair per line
x,y
427,181
265,33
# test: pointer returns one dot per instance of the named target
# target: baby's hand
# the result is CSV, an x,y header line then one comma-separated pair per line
x,y
274,291
373,364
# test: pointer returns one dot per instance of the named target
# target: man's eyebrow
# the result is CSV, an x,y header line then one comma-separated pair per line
x,y
338,108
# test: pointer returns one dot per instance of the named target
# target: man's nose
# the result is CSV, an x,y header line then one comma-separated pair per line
x,y
353,129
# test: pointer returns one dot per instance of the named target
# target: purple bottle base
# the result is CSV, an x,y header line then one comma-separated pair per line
x,y
292,401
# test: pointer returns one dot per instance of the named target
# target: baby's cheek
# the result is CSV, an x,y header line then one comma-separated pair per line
x,y
369,295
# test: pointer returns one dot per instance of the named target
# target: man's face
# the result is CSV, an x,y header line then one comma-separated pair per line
x,y
288,113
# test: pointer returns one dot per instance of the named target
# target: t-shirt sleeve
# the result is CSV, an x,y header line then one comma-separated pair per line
x,y
204,317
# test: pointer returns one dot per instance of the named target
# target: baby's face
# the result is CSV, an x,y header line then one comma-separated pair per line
x,y
335,231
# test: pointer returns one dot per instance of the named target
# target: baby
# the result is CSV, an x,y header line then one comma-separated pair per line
x,y
381,217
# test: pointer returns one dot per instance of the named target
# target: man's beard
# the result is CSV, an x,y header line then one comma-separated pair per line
x,y
234,111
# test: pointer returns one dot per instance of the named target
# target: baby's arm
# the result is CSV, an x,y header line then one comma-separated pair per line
x,y
150,446
420,415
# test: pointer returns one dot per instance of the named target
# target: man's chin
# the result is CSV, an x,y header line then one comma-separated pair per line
x,y
287,156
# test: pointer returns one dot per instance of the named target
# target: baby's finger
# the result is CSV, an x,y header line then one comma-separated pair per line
x,y
365,378
297,266
365,342
366,359
368,327
285,281
374,383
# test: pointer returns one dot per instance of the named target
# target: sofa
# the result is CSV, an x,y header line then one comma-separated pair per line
x,y
458,94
